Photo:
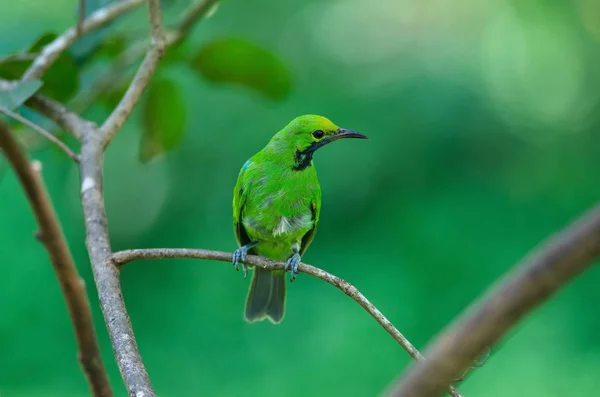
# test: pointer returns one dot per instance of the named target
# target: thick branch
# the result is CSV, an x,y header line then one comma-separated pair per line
x,y
42,132
539,275
72,285
122,257
106,274
142,78
52,51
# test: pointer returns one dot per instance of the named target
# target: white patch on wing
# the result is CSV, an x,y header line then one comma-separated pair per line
x,y
285,225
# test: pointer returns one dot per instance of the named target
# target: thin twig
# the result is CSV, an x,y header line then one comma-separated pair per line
x,y
122,257
71,284
42,132
142,78
52,51
81,19
55,111
190,17
535,279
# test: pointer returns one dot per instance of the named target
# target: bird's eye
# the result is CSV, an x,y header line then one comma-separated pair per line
x,y
318,134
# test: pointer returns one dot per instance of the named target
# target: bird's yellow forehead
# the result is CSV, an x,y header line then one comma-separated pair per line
x,y
312,122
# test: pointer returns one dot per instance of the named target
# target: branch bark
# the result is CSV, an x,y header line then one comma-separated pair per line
x,y
71,284
94,143
536,278
106,275
120,258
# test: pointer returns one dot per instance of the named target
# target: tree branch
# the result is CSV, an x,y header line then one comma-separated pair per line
x,y
52,51
42,132
106,275
71,284
142,78
122,257
536,278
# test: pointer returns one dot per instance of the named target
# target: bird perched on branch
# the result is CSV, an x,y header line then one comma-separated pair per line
x,y
276,205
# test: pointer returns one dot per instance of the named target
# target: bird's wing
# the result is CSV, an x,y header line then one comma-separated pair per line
x,y
315,206
240,193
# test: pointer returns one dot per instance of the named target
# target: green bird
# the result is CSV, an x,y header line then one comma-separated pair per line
x,y
276,206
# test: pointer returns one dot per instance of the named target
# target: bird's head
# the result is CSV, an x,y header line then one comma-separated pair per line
x,y
305,134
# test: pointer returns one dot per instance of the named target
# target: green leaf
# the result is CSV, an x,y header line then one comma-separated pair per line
x,y
164,119
174,54
14,98
111,47
61,81
41,42
237,61
113,95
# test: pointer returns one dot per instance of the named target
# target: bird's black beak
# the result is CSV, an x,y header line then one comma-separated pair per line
x,y
344,133
339,134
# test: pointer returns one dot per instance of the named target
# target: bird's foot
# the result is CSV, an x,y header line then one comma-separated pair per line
x,y
239,256
292,264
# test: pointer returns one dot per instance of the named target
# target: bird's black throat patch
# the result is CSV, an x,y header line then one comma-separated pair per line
x,y
303,159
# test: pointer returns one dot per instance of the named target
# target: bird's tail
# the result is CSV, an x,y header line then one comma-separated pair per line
x,y
266,296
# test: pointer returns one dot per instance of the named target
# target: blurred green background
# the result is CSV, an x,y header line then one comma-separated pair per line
x,y
483,118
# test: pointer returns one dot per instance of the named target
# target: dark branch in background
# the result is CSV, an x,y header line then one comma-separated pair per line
x,y
71,284
544,271
122,257
42,132
52,51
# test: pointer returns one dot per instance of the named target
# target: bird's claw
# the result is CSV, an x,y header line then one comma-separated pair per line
x,y
292,264
239,256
